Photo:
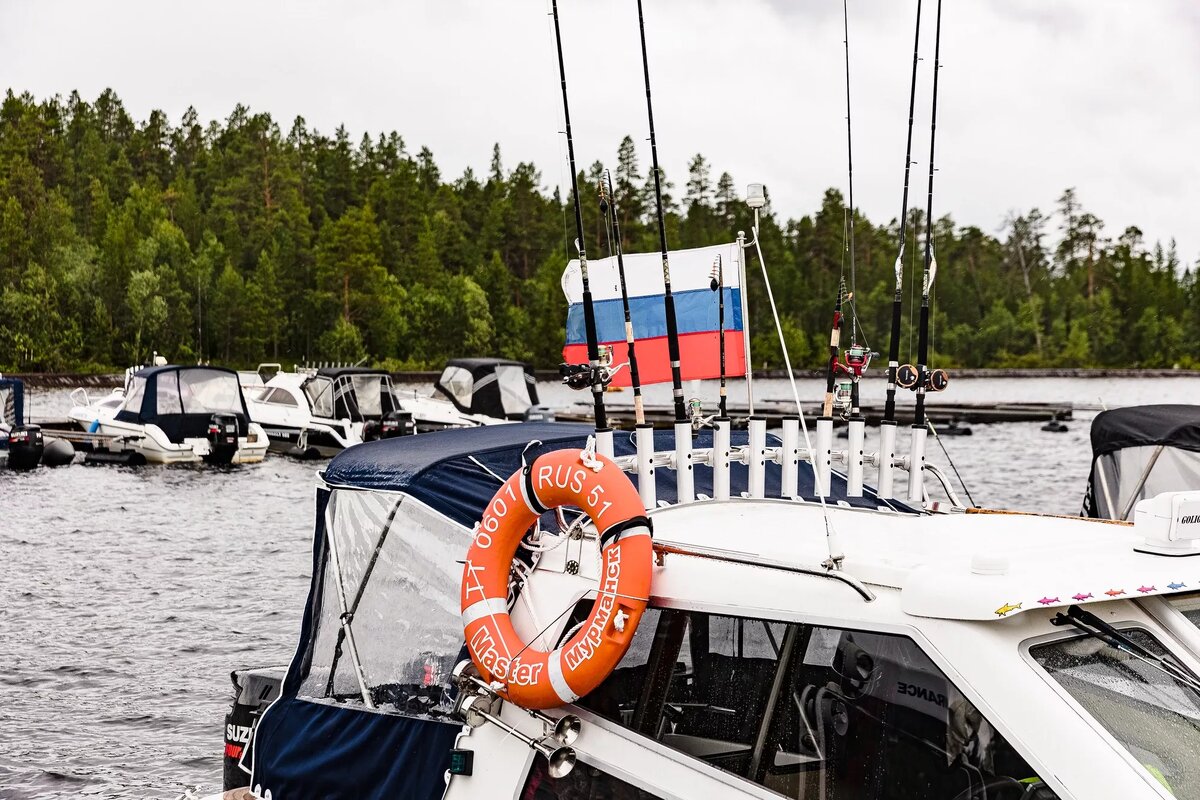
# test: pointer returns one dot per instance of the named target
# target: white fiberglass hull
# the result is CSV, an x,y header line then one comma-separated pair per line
x,y
152,445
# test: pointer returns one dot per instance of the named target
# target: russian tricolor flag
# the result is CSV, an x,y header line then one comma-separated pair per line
x,y
696,312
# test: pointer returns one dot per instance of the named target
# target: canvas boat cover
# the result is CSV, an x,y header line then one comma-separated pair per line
x,y
1139,452
181,400
494,387
353,393
12,402
394,520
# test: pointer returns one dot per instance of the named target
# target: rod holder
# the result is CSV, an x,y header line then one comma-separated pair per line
x,y
644,438
887,459
824,463
789,458
916,466
755,456
685,485
604,442
855,439
720,459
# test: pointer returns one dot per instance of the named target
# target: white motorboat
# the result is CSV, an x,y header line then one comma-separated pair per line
x,y
176,414
87,413
788,645
319,413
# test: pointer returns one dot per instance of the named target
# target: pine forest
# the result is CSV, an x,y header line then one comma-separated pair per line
x,y
245,241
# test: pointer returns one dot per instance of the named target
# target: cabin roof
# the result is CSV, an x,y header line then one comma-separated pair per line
x,y
951,566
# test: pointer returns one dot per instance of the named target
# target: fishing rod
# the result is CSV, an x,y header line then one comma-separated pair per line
x,y
608,209
887,427
889,408
717,284
856,373
925,380
596,374
668,298
823,466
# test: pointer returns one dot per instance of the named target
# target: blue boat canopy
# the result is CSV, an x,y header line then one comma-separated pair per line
x,y
182,399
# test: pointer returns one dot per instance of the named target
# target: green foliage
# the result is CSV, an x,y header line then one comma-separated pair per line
x,y
238,242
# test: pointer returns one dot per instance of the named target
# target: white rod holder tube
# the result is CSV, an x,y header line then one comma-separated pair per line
x,y
856,437
604,442
685,487
644,438
720,460
789,458
916,466
887,459
757,429
824,447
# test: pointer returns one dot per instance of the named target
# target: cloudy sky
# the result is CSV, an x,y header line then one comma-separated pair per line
x,y
1036,95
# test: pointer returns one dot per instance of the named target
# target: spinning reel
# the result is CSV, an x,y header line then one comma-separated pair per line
x,y
909,377
857,360
579,376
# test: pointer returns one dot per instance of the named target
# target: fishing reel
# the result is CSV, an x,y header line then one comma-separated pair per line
x,y
579,376
908,377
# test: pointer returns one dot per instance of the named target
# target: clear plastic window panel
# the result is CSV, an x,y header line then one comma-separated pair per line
x,y
368,392
166,394
207,391
320,397
406,626
459,383
133,398
514,391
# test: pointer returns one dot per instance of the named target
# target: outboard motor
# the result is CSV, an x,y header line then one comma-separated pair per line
x,y
371,430
222,438
397,423
25,446
254,690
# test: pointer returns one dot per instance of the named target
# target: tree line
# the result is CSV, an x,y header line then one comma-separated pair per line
x,y
237,242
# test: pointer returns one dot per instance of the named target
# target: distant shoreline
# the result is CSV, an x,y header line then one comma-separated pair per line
x,y
70,380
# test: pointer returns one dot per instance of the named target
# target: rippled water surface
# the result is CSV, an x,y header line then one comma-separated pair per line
x,y
128,594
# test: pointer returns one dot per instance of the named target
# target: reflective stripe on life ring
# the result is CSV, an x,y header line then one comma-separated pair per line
x,y
530,677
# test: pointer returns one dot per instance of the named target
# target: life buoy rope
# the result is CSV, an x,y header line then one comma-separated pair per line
x,y
527,676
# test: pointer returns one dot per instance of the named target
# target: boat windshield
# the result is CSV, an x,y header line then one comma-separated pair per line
x,y
1188,605
1154,714
209,391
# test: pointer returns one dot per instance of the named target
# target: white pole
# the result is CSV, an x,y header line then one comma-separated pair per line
x,y
916,466
684,479
604,442
854,456
644,436
824,449
720,460
887,458
789,458
757,429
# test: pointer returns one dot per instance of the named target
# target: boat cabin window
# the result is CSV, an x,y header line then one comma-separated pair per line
x,y
319,392
585,781
459,383
1152,708
166,397
1187,604
278,397
208,391
809,712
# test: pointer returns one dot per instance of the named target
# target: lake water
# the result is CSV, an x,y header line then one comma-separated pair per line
x,y
128,594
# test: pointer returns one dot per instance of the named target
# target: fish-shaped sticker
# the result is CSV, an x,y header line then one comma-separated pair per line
x,y
1081,596
1115,592
1007,608
1176,585
1146,589
1047,601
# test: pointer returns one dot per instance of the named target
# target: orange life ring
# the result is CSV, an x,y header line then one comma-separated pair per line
x,y
530,677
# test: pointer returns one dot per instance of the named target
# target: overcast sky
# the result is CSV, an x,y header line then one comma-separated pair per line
x,y
1036,95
